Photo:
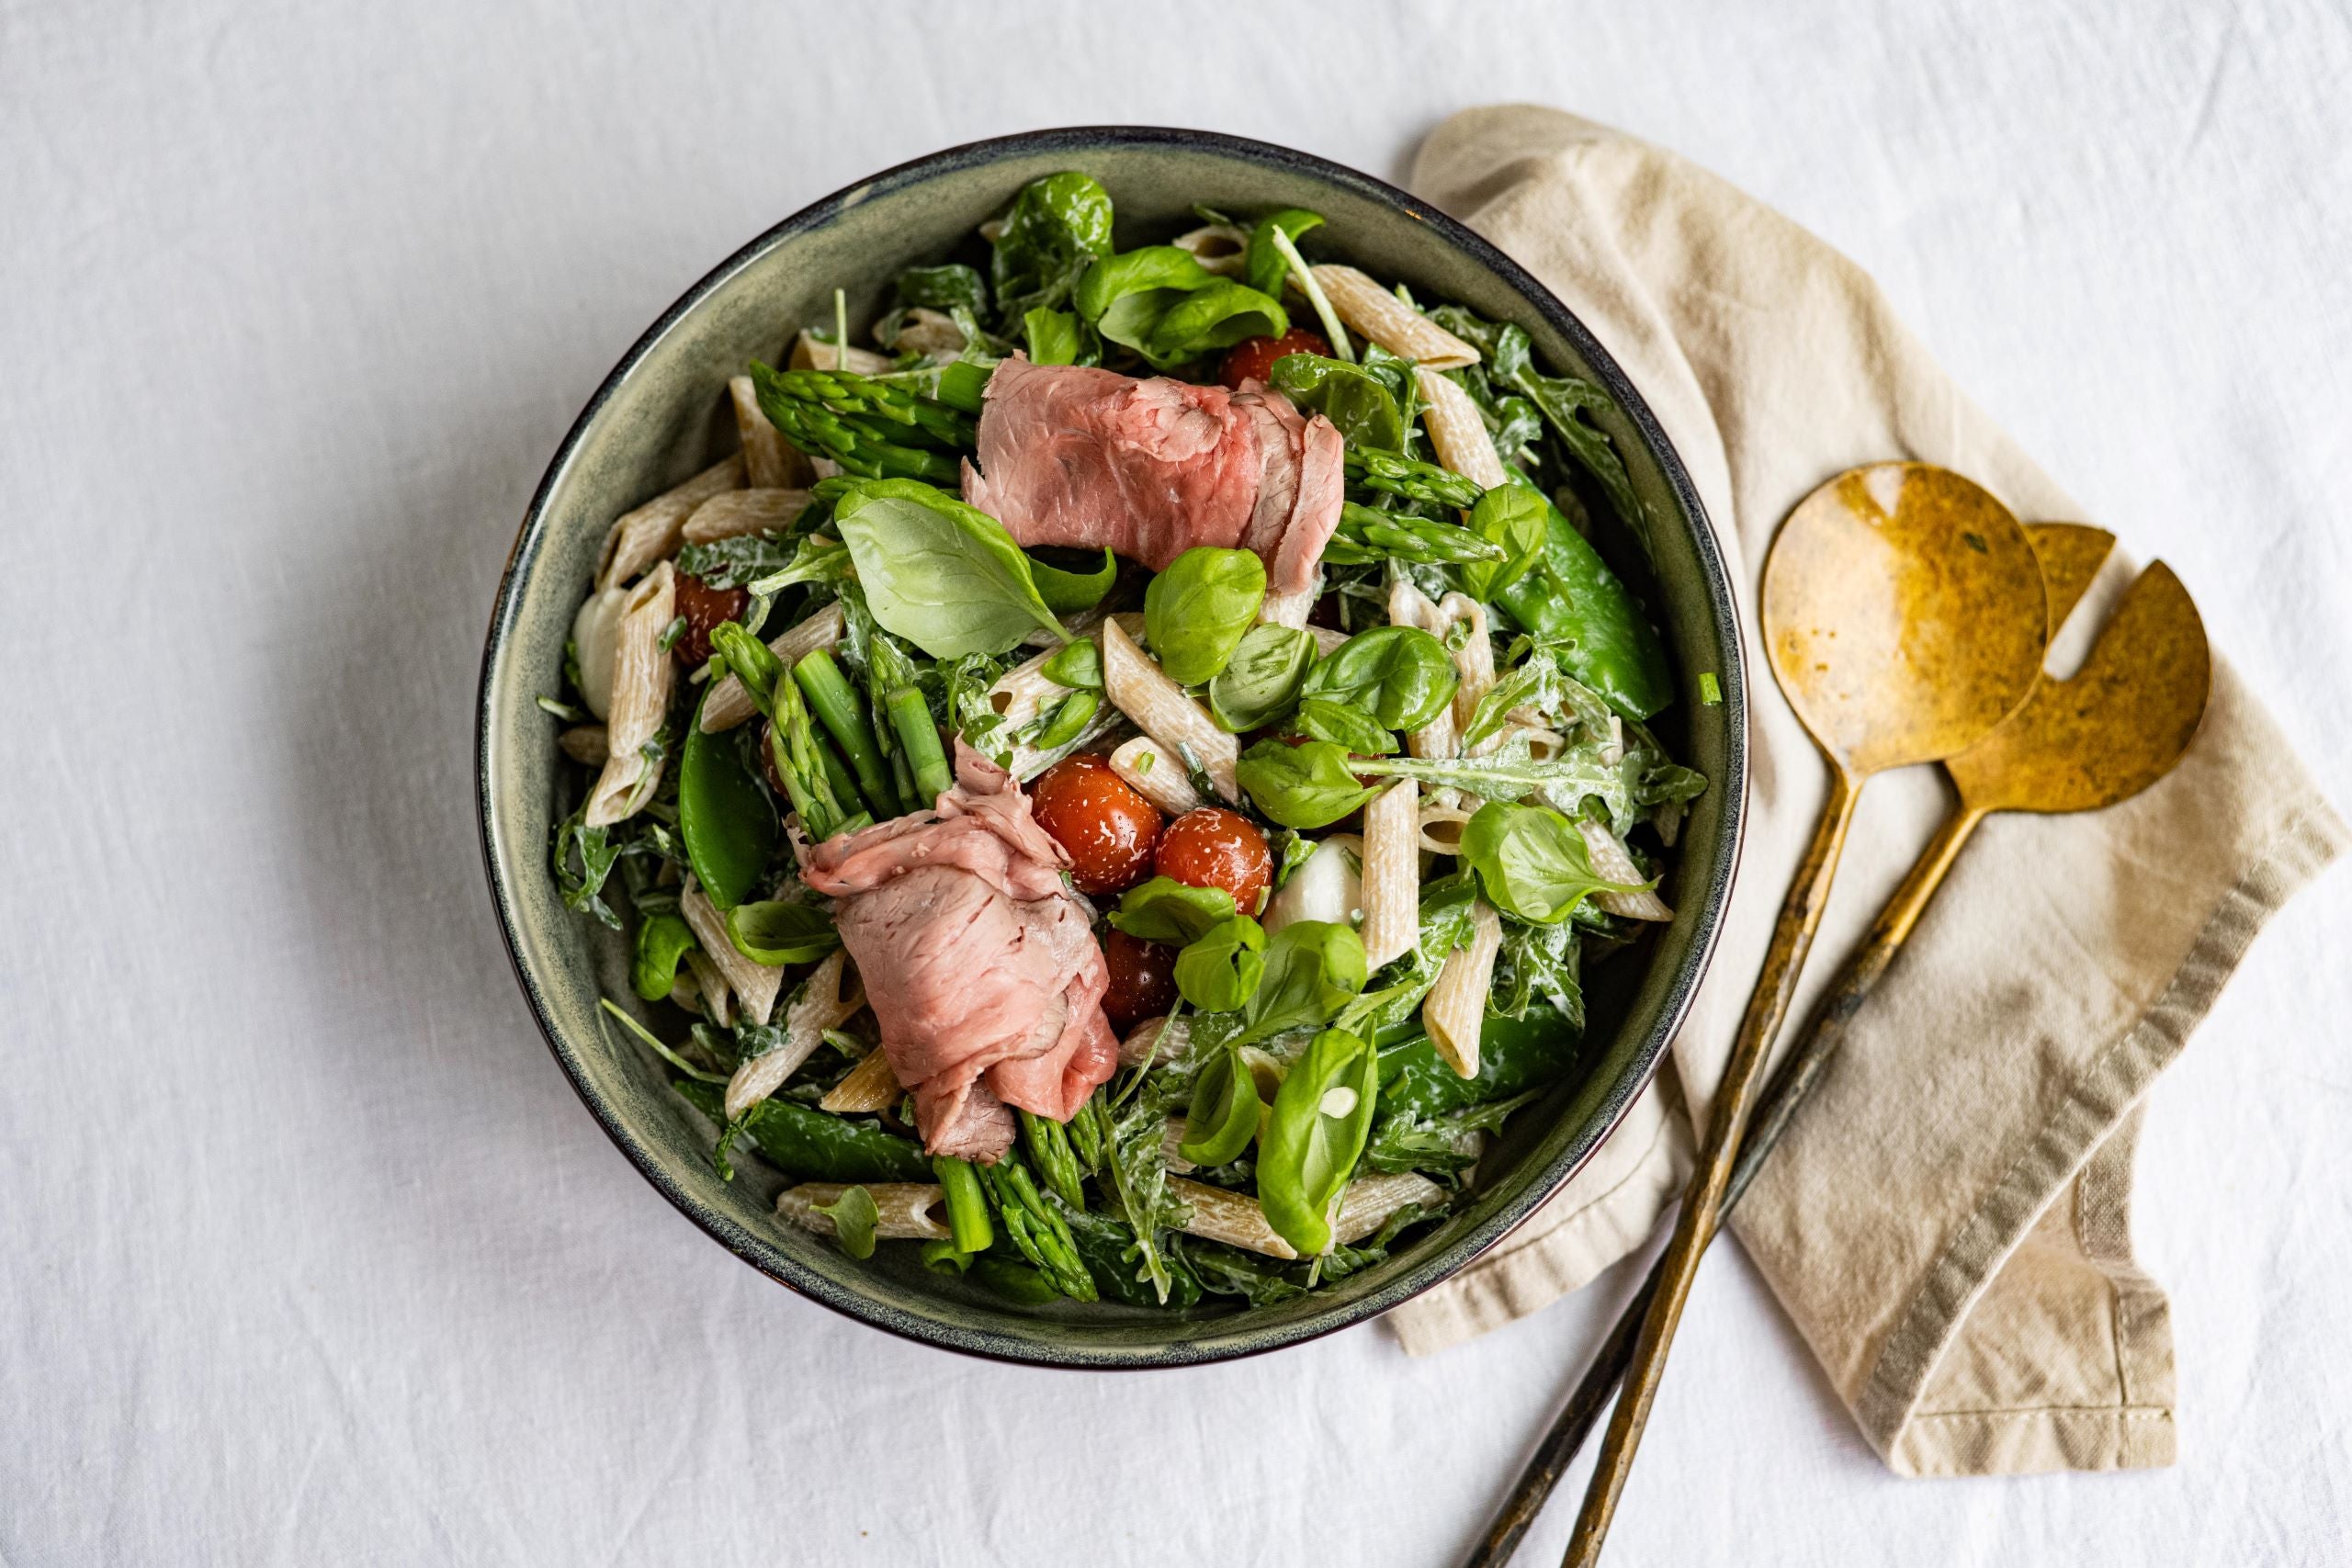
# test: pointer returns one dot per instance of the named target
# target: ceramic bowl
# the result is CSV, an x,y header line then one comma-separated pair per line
x,y
658,418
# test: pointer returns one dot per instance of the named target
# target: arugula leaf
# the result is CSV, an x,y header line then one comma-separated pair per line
x,y
949,286
1444,1144
740,560
1055,230
945,576
815,558
1538,963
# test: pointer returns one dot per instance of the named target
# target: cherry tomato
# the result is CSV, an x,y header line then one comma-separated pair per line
x,y
704,607
1252,359
1216,847
1143,979
1107,828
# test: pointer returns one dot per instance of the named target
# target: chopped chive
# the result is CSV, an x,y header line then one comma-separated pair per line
x,y
1710,691
563,711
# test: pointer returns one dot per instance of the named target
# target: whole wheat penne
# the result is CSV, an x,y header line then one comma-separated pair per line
x,y
754,984
904,1210
868,1087
1610,860
1455,1010
821,1002
1367,1204
1327,640
1442,827
1370,1201
1155,773
652,532
1171,1153
1219,247
812,353
730,705
1473,661
770,462
1392,874
1543,744
929,333
1458,429
735,512
1155,1040
642,670
686,990
1161,710
1388,321
585,743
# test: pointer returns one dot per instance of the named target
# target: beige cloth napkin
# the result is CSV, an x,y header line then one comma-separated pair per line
x,y
1947,1220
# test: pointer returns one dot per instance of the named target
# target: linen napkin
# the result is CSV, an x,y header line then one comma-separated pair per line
x,y
1947,1220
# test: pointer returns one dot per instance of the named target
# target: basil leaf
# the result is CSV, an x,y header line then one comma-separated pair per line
x,y
1123,296
1070,716
1265,266
950,287
724,814
1513,516
1055,230
854,1215
1217,316
1313,969
1057,337
1167,910
1322,1117
1533,862
663,942
1400,675
1064,591
777,933
1223,1116
1220,970
943,575
1350,397
1301,787
1261,679
1196,612
1077,665
1343,725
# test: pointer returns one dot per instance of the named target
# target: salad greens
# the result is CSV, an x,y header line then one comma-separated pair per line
x,y
890,622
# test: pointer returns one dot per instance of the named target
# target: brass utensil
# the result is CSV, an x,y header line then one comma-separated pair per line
x,y
2130,713
1904,616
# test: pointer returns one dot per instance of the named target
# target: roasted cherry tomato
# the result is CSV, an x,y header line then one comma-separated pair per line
x,y
1252,359
1143,979
1216,847
1107,828
704,607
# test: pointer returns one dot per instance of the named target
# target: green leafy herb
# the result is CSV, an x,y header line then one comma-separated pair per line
x,y
1057,228
662,942
1068,720
950,287
1533,862
1065,592
1326,719
1322,1117
1359,401
1196,612
1219,970
1264,263
1166,910
1401,676
1077,664
1444,1144
854,1215
1538,964
1313,968
1058,337
1511,517
1310,785
1223,1117
777,933
1261,678
661,1047
815,558
1123,296
943,575
1217,316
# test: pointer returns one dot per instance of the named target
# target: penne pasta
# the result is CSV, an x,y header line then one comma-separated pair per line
x,y
585,743
735,512
712,999
821,1002
1610,860
1366,1205
730,705
869,1086
652,532
1171,1152
1388,321
1473,661
929,333
1155,1040
1157,775
902,1209
1458,429
1455,1010
1161,708
770,462
754,984
811,353
642,670
1219,247
1327,640
1543,744
1392,874
1442,825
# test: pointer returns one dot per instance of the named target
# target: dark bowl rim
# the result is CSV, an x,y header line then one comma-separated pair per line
x,y
1731,674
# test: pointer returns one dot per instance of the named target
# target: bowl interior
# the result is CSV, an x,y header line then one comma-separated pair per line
x,y
660,416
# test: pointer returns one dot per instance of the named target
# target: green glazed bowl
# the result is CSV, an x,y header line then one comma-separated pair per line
x,y
660,416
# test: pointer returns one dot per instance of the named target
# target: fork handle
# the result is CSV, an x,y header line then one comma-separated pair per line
x,y
1784,958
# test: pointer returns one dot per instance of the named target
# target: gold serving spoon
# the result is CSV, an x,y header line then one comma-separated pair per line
x,y
1904,616
2115,727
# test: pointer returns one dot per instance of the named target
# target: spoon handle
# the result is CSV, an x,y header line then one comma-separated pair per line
x,y
1792,1080
1701,1202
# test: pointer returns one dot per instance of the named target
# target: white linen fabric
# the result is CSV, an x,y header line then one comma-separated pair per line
x,y
307,1252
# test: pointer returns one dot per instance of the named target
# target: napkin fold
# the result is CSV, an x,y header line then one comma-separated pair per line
x,y
1947,1219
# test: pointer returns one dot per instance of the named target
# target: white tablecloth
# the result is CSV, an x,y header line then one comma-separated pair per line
x,y
307,1252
